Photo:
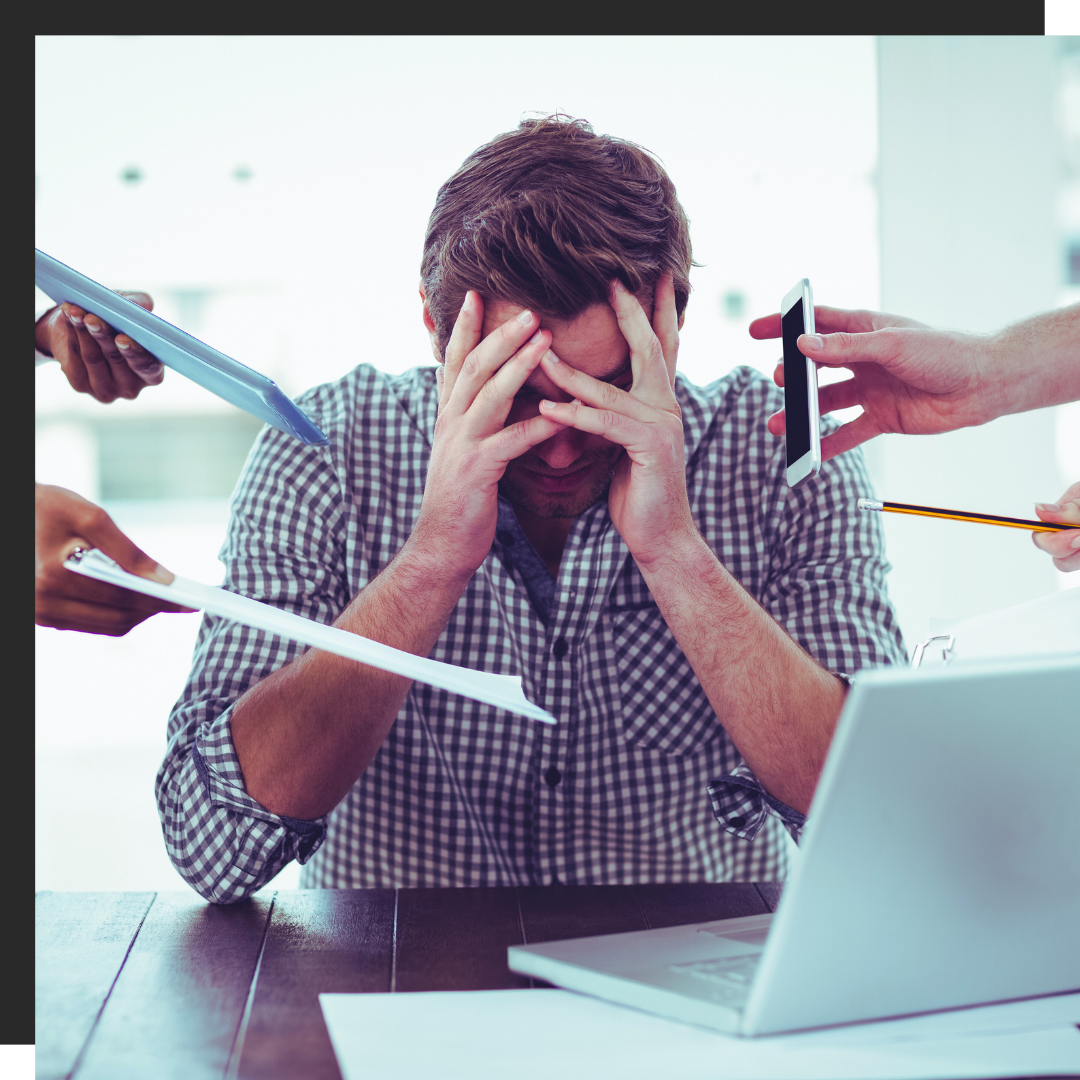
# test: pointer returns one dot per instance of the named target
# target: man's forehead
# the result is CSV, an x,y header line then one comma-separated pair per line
x,y
591,342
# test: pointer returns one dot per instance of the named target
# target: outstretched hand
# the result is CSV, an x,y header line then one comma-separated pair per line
x,y
908,378
64,521
94,357
1064,546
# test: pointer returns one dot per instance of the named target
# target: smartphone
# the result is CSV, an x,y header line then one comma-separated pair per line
x,y
800,388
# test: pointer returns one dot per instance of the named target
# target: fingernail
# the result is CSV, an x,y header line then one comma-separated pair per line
x,y
465,302
76,319
525,317
1052,508
547,404
122,345
1075,542
550,357
815,341
536,338
159,573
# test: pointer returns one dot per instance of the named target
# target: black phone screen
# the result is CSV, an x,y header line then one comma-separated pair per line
x,y
796,403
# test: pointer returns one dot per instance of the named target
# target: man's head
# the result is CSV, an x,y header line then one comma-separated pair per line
x,y
543,218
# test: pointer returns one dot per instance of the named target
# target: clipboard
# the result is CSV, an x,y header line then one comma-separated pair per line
x,y
502,691
192,358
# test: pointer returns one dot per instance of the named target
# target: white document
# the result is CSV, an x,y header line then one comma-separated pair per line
x,y
1048,625
502,691
541,1034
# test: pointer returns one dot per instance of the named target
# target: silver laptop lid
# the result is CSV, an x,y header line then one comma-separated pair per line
x,y
941,863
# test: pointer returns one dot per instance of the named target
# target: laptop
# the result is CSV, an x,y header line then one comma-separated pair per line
x,y
939,868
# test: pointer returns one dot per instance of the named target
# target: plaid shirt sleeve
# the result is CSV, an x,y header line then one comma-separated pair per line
x,y
221,841
827,589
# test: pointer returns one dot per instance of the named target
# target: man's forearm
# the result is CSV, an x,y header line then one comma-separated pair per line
x,y
775,701
1036,362
306,732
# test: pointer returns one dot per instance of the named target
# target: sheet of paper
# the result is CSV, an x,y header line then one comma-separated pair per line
x,y
503,691
1050,624
541,1034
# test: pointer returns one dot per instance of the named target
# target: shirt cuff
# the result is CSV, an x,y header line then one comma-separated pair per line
x,y
741,805
219,770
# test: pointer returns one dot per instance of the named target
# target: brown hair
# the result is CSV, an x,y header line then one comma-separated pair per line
x,y
545,216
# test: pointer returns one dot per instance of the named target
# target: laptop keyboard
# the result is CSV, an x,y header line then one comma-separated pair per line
x,y
726,978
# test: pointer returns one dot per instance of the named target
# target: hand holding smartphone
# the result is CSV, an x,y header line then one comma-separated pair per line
x,y
803,436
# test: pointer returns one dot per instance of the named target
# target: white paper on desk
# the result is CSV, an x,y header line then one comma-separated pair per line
x,y
502,691
1048,625
541,1034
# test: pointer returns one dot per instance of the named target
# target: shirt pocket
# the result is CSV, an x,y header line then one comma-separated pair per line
x,y
663,705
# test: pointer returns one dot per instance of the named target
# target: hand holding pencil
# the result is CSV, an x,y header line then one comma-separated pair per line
x,y
1063,546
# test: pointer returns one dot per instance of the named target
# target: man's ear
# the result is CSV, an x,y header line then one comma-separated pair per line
x,y
429,325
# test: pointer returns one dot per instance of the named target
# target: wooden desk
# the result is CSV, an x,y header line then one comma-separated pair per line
x,y
163,985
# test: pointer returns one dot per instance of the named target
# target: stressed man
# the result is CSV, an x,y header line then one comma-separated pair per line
x,y
550,500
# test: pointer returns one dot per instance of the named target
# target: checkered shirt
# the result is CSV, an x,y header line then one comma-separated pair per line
x,y
462,793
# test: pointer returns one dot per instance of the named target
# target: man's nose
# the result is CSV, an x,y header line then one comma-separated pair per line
x,y
562,449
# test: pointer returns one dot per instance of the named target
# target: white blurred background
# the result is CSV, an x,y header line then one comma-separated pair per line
x,y
272,194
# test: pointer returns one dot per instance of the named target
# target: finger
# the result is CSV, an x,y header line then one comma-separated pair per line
x,y
1065,513
838,395
826,319
144,300
768,326
149,370
127,383
849,435
463,339
90,618
614,426
98,370
493,400
647,359
597,394
513,441
100,531
1063,547
844,349
490,355
778,374
777,423
66,352
665,323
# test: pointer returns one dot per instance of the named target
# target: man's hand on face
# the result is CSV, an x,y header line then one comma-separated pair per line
x,y
94,357
647,498
471,447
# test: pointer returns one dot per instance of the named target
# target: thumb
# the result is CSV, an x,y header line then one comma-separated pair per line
x,y
143,299
843,349
103,534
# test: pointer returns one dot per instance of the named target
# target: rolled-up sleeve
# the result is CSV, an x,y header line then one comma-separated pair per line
x,y
283,547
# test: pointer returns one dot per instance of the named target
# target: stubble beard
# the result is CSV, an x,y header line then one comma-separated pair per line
x,y
568,504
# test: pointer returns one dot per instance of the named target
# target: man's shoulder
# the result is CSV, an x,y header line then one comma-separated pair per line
x,y
738,402
367,400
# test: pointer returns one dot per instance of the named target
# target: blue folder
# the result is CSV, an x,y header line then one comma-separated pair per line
x,y
192,358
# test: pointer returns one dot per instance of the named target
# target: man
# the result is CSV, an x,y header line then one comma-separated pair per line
x,y
914,379
549,501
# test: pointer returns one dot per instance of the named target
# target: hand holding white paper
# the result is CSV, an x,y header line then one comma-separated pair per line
x,y
502,691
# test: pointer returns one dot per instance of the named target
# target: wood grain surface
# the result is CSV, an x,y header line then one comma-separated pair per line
x,y
138,985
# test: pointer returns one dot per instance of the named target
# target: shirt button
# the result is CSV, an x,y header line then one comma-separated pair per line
x,y
552,777
505,538
560,648
737,822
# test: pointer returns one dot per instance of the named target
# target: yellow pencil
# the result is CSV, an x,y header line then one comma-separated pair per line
x,y
964,515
